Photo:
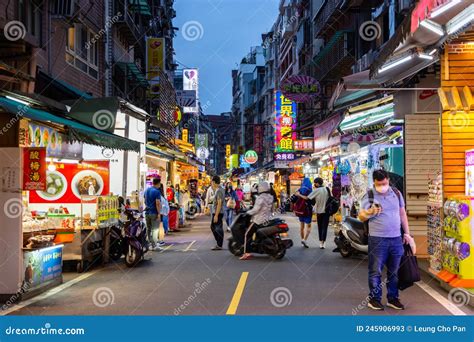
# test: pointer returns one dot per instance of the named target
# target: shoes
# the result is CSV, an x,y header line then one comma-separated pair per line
x,y
321,245
158,249
395,304
375,305
228,229
161,243
216,248
305,245
246,256
151,248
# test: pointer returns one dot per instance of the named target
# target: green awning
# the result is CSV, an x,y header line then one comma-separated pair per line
x,y
133,73
353,96
76,131
367,117
140,6
72,89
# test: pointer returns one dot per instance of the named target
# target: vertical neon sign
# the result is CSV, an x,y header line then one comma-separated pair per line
x,y
285,123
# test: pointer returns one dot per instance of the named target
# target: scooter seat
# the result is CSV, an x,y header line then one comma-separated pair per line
x,y
358,230
273,222
267,231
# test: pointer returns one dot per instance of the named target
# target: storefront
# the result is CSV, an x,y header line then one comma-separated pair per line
x,y
57,204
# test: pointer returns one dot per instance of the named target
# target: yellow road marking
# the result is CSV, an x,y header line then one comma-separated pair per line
x,y
166,248
234,304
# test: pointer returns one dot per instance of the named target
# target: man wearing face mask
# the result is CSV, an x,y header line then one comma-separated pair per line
x,y
384,209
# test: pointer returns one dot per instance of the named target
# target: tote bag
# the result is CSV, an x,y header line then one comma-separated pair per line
x,y
408,273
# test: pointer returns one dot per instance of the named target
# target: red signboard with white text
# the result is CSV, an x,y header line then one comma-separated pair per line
x,y
69,182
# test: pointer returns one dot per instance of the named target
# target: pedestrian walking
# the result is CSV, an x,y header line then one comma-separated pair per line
x,y
320,196
218,216
239,192
209,200
230,202
152,199
181,210
304,210
165,211
384,209
275,197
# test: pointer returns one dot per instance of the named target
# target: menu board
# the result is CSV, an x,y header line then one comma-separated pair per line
x,y
69,182
54,142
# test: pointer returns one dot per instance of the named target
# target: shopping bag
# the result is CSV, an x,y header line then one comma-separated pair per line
x,y
408,272
231,203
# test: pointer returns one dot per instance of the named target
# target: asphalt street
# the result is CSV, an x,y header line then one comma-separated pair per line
x,y
187,278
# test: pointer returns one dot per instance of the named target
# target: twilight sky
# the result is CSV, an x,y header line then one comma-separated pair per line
x,y
213,36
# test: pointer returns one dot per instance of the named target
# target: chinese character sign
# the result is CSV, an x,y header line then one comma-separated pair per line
x,y
34,168
258,138
285,123
228,150
191,82
200,140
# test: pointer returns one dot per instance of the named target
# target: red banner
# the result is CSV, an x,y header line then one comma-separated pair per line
x,y
34,168
258,138
69,182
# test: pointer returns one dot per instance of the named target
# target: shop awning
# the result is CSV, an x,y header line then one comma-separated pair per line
x,y
58,90
140,6
353,88
367,117
159,152
133,73
415,44
76,131
85,110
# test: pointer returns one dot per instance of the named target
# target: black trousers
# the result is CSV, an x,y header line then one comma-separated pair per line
x,y
217,229
323,223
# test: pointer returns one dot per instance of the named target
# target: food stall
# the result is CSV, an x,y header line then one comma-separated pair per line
x,y
44,177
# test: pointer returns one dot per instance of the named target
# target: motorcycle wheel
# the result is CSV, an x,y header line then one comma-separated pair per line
x,y
132,257
235,247
346,249
279,255
115,252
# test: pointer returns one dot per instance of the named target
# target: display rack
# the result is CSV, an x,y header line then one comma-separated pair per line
x,y
434,220
98,214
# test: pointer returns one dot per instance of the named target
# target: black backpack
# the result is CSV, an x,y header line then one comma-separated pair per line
x,y
332,204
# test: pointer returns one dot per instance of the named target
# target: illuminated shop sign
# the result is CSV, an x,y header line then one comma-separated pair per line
x,y
285,123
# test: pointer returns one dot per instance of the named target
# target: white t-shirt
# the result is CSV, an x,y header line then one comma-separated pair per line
x,y
321,196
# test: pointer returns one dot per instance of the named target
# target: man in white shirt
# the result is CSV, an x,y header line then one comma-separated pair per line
x,y
320,195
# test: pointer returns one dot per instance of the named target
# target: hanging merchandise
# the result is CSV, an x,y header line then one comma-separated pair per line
x,y
435,232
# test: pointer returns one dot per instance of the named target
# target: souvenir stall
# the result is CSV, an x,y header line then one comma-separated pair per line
x,y
368,142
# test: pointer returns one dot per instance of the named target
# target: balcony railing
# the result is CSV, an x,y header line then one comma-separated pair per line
x,y
127,23
336,56
326,15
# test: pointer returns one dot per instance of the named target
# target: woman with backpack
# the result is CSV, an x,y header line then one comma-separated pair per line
x,y
320,196
303,209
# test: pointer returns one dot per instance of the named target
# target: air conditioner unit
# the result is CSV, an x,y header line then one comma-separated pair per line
x,y
63,8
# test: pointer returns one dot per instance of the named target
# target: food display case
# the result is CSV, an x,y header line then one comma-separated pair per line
x,y
98,215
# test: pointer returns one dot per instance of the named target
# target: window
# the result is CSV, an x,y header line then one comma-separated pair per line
x,y
30,13
82,50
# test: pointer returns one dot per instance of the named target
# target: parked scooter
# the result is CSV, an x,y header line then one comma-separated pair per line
x,y
271,238
353,237
116,242
135,243
193,208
